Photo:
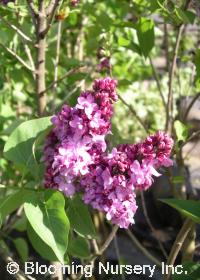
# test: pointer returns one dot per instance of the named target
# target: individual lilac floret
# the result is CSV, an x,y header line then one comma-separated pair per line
x,y
142,174
108,188
78,137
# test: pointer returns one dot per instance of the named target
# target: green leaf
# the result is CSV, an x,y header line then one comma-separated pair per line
x,y
20,224
22,248
123,42
181,130
39,245
186,16
189,208
193,272
19,146
80,218
145,33
123,24
79,247
134,47
46,214
104,20
13,201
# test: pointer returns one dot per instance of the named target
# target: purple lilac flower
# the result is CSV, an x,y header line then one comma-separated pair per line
x,y
147,156
142,174
104,60
108,188
110,185
76,158
78,136
104,64
74,2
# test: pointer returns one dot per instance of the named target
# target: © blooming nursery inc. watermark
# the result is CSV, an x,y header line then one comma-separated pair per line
x,y
107,268
77,158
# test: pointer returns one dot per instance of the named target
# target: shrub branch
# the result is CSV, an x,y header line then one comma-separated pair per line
x,y
186,228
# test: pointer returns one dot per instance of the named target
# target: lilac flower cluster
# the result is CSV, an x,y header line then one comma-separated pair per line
x,y
146,157
78,137
77,161
74,2
104,60
108,188
110,185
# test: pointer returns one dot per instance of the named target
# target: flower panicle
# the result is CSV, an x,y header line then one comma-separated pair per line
x,y
76,157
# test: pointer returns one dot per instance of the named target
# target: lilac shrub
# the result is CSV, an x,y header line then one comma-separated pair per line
x,y
77,160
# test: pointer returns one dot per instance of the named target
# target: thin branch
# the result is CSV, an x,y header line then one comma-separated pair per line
x,y
102,249
171,79
71,71
95,246
190,150
158,83
17,57
33,12
13,219
20,274
191,105
29,55
166,44
188,248
108,240
58,275
31,5
50,12
132,110
169,118
193,136
19,31
186,228
51,7
118,255
143,249
41,58
57,60
57,53
79,85
24,38
150,225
